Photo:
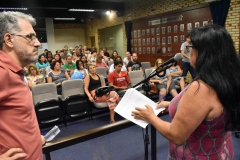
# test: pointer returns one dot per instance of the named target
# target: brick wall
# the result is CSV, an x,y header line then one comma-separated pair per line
x,y
136,9
233,22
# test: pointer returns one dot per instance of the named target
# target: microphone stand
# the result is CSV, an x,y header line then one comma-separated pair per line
x,y
153,130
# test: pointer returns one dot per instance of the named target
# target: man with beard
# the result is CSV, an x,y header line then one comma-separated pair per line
x,y
134,65
19,134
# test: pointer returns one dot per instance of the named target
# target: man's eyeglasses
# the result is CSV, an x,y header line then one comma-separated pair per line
x,y
32,37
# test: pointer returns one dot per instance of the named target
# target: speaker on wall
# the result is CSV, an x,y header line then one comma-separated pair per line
x,y
120,13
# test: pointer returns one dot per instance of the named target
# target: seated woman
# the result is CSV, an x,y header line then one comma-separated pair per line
x,y
58,58
176,72
114,55
100,63
34,77
118,58
163,81
74,57
42,62
84,61
93,57
57,76
105,58
92,82
80,72
49,56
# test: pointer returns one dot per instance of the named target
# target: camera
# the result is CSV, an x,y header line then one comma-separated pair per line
x,y
99,92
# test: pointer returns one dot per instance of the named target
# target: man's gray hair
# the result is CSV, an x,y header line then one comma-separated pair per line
x,y
9,23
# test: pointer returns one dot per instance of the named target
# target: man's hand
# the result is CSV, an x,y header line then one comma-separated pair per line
x,y
17,154
43,140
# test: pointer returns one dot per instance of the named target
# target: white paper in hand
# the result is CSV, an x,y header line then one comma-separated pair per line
x,y
52,133
132,99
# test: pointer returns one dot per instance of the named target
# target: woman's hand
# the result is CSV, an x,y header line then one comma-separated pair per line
x,y
91,99
160,82
163,104
144,114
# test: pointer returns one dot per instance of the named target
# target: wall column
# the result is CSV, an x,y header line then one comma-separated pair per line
x,y
50,34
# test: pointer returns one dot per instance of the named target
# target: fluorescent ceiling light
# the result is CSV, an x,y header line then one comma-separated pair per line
x,y
81,10
13,8
64,19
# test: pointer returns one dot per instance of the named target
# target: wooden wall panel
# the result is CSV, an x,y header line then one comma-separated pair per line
x,y
143,33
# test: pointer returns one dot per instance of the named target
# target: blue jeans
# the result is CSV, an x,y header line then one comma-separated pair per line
x,y
187,67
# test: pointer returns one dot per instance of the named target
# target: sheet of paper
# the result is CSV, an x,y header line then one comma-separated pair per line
x,y
130,101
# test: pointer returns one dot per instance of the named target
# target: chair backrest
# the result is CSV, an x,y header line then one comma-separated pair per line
x,y
72,87
44,92
102,71
103,80
110,63
145,65
148,71
136,76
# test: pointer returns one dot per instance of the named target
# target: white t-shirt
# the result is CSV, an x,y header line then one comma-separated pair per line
x,y
126,60
111,68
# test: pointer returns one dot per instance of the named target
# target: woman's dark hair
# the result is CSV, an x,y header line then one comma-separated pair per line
x,y
82,57
60,59
39,58
112,54
53,64
77,64
217,65
115,58
49,53
118,62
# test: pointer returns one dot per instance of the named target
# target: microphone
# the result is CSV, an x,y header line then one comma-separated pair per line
x,y
176,58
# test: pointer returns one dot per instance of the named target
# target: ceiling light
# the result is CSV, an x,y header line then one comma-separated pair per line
x,y
108,12
82,10
64,19
12,8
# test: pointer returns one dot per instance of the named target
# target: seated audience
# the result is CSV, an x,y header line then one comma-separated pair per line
x,y
69,66
49,56
176,72
84,61
34,76
92,82
119,79
42,62
80,72
105,58
93,57
163,81
100,63
118,58
114,55
57,76
74,57
127,59
134,65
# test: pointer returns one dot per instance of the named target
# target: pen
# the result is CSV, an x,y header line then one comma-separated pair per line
x,y
163,98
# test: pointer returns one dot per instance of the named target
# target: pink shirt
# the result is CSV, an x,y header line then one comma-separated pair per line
x,y
101,65
18,123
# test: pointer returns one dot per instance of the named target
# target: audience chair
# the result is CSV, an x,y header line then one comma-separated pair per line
x,y
47,105
74,100
136,77
148,71
146,65
103,72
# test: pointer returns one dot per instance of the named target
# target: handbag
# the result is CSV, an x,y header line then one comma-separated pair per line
x,y
153,87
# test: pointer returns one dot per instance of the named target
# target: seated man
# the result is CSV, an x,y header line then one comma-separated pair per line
x,y
69,66
134,65
119,79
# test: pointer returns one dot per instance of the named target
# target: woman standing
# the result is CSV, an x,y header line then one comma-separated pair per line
x,y
206,111
92,82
